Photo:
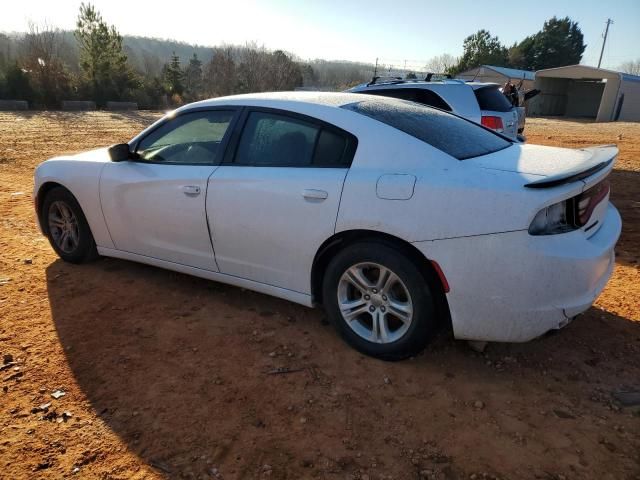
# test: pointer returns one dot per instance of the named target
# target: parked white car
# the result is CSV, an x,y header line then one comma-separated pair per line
x,y
395,216
479,102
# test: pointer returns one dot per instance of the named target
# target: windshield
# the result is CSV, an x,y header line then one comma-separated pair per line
x,y
453,135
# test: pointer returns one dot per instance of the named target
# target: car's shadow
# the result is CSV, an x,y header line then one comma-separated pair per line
x,y
625,195
185,371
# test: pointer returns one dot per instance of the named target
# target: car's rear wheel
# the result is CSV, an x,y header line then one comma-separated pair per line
x,y
379,301
67,227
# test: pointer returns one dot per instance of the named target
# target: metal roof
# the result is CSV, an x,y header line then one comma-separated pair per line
x,y
513,73
604,72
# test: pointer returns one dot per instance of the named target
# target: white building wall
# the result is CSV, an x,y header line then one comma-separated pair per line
x,y
630,111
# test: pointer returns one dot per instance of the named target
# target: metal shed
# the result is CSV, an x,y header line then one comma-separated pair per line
x,y
489,73
587,92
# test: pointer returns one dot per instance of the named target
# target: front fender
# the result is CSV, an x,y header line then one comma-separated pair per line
x,y
82,179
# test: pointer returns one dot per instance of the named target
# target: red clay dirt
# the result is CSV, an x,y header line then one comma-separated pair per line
x,y
168,376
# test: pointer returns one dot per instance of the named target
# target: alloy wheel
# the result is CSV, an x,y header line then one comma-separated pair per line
x,y
374,302
63,226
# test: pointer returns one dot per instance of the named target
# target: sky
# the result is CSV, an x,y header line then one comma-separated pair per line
x,y
356,30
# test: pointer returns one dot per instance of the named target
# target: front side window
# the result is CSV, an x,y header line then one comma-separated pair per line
x,y
275,140
191,138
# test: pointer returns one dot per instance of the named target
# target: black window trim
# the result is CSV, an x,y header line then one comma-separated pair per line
x,y
234,141
236,110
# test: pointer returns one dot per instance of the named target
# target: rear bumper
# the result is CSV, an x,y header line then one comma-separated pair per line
x,y
513,287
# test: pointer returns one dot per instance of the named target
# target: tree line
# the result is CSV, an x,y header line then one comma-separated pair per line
x,y
44,71
94,62
560,42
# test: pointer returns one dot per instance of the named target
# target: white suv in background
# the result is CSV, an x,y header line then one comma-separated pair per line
x,y
482,103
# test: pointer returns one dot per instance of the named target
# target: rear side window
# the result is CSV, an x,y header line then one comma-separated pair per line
x,y
459,138
272,139
419,95
490,98
330,149
276,140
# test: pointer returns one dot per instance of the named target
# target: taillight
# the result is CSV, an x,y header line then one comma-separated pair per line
x,y
587,201
494,123
553,219
570,214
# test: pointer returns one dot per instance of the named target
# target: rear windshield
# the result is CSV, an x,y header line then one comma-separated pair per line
x,y
490,98
456,136
419,95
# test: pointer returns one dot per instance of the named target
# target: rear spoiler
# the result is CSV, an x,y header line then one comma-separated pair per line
x,y
599,160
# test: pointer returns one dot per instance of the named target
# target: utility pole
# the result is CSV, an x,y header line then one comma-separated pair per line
x,y
606,32
375,71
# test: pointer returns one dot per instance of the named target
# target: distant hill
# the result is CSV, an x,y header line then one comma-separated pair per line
x,y
148,55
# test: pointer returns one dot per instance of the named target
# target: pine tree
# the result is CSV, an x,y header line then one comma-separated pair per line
x,y
193,78
174,76
481,49
102,59
17,84
559,43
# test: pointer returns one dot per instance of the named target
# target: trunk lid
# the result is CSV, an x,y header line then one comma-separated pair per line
x,y
582,171
551,165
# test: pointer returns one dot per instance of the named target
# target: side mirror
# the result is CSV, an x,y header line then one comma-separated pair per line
x,y
120,152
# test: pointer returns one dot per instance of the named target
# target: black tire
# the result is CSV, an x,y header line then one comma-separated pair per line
x,y
85,248
424,320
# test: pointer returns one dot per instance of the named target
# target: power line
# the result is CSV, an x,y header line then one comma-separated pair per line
x,y
606,32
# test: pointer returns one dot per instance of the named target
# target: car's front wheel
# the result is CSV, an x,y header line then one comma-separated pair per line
x,y
67,227
379,301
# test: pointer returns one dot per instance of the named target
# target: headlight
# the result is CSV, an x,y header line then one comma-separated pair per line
x,y
554,219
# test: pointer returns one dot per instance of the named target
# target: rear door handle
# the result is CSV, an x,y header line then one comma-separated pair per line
x,y
191,190
311,194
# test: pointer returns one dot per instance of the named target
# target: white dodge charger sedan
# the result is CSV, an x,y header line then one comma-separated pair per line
x,y
395,216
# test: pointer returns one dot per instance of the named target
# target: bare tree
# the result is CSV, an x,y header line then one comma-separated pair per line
x,y
283,73
220,73
632,67
441,63
151,64
252,70
337,75
42,60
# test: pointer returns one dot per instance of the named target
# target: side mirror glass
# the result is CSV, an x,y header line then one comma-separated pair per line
x,y
120,152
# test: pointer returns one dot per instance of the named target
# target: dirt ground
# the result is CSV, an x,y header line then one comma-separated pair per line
x,y
168,376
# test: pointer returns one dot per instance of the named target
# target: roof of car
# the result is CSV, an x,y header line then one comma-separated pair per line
x,y
331,99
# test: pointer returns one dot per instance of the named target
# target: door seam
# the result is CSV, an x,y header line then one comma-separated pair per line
x,y
104,219
206,217
344,179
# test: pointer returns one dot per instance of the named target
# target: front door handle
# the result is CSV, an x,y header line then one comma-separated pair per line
x,y
191,190
311,194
